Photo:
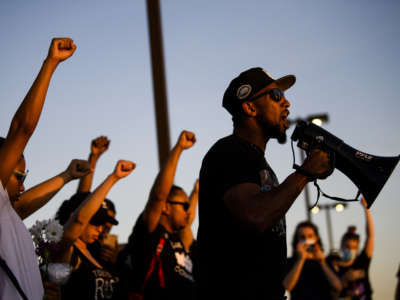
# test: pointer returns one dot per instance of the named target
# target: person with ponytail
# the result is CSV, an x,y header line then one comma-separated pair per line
x,y
354,266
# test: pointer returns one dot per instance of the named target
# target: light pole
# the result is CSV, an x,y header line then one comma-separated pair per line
x,y
159,81
327,207
317,119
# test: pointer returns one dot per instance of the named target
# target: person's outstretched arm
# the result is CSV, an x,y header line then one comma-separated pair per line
x,y
369,230
97,148
27,116
293,275
397,290
37,196
77,223
164,181
186,233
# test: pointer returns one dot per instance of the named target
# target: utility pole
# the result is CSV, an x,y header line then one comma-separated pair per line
x,y
159,81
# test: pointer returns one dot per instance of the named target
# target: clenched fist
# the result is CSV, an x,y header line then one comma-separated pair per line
x,y
99,145
78,168
61,49
186,139
123,168
317,162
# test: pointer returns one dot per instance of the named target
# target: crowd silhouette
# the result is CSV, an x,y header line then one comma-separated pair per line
x,y
240,252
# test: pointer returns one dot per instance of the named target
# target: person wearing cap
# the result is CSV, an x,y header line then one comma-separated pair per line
x,y
83,217
105,250
157,262
242,207
105,253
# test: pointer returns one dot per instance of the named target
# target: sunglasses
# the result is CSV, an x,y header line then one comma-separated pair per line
x,y
20,175
96,222
275,94
184,204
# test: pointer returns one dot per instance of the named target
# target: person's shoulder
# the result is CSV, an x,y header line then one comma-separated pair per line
x,y
141,237
227,144
4,199
363,257
223,142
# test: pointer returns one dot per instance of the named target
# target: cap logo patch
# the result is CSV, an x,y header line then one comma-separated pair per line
x,y
269,75
243,91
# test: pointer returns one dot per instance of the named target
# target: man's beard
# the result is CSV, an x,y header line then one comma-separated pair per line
x,y
275,132
282,138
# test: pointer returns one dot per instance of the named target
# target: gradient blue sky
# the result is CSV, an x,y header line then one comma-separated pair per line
x,y
344,54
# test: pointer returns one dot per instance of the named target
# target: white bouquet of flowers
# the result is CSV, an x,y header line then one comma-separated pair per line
x,y
46,234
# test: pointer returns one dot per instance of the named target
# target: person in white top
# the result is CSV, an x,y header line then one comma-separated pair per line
x,y
16,247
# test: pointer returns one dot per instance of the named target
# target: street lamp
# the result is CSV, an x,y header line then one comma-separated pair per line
x,y
317,119
339,207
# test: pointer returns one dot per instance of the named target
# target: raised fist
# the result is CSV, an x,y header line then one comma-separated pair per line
x,y
99,145
61,49
78,168
186,139
123,168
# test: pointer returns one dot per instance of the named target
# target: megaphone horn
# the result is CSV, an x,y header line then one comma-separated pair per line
x,y
368,172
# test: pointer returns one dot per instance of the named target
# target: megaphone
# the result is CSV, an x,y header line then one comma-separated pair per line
x,y
368,172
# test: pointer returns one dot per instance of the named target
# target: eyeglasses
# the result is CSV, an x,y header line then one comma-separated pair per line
x,y
20,175
184,204
275,94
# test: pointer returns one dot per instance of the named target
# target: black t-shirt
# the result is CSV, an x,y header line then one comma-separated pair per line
x,y
312,283
95,249
360,289
235,262
176,264
88,282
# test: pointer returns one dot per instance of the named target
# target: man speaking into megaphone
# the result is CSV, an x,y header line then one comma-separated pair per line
x,y
242,207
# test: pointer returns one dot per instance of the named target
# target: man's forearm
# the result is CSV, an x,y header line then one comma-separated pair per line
x,y
37,196
85,183
27,115
161,188
290,280
334,281
369,242
260,210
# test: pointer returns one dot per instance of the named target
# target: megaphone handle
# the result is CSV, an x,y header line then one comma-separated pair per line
x,y
301,170
311,176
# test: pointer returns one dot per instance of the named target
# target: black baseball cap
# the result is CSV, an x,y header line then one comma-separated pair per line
x,y
102,217
248,83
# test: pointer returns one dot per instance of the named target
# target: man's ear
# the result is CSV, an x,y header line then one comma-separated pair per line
x,y
166,209
248,108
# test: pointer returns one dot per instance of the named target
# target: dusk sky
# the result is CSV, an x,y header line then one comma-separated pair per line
x,y
345,55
